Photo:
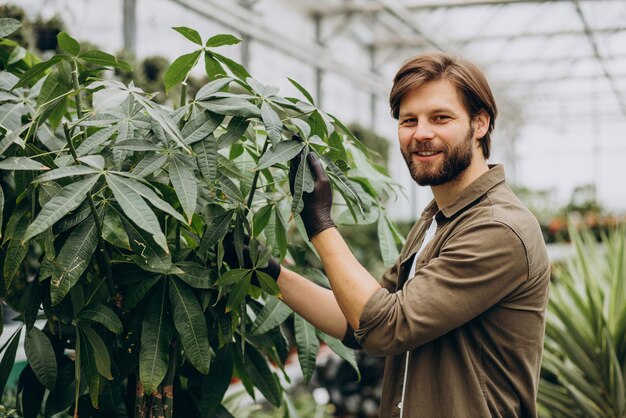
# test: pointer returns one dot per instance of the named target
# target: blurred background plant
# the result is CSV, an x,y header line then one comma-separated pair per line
x,y
584,363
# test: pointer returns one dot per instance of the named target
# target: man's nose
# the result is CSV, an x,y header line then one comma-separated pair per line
x,y
423,132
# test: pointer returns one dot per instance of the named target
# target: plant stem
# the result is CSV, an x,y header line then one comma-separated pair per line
x,y
101,245
255,179
168,382
183,94
140,400
79,106
177,237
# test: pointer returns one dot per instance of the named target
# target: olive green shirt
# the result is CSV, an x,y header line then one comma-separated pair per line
x,y
473,314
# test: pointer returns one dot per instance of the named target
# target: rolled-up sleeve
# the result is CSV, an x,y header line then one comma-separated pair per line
x,y
475,269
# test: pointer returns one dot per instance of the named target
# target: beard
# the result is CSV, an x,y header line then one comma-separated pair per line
x,y
455,161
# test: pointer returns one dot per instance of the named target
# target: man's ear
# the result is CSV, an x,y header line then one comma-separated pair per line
x,y
481,124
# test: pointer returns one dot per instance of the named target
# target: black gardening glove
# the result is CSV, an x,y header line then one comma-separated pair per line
x,y
258,256
317,204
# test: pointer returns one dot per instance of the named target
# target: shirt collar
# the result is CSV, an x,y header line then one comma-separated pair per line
x,y
476,189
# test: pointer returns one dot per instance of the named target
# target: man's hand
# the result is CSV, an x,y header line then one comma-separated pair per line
x,y
256,257
317,204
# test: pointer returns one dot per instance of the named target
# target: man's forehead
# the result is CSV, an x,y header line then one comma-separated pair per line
x,y
433,96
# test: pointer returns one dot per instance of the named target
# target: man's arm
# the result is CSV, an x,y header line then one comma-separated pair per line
x,y
313,302
352,285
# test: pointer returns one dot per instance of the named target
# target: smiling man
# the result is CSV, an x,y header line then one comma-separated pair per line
x,y
460,316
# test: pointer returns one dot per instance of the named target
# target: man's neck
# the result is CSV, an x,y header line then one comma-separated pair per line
x,y
446,193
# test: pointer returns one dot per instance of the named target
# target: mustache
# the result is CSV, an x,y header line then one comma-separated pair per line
x,y
423,147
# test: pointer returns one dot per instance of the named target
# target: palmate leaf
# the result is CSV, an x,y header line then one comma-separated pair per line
x,y
221,40
68,44
184,183
104,59
113,229
150,164
21,163
136,208
8,359
190,324
273,314
156,332
68,199
41,357
101,354
8,26
206,156
272,122
308,345
62,172
18,247
298,189
388,248
257,369
35,72
73,259
190,34
200,126
180,68
281,153
341,350
215,384
234,131
137,292
213,87
95,140
231,106
146,253
195,275
102,315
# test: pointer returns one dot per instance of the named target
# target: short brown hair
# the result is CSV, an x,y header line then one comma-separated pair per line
x,y
469,80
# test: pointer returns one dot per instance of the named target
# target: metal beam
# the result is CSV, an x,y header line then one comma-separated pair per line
x,y
243,21
378,6
129,17
413,41
596,52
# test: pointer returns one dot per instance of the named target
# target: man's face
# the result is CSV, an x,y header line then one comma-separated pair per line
x,y
436,137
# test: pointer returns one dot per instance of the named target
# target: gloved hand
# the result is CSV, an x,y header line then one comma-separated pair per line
x,y
317,204
259,257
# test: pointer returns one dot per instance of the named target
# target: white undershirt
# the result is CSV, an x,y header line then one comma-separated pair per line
x,y
432,229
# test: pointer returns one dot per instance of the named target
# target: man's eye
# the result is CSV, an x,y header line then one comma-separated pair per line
x,y
441,118
408,121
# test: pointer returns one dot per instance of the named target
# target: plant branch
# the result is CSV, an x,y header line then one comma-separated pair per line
x,y
79,106
255,179
101,245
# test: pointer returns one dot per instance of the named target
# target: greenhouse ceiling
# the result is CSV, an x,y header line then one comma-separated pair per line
x,y
554,61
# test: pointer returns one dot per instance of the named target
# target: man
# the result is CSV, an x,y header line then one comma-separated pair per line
x,y
460,316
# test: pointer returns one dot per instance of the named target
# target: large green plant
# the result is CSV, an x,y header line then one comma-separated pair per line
x,y
584,363
114,212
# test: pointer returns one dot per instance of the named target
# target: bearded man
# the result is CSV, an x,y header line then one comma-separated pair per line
x,y
460,316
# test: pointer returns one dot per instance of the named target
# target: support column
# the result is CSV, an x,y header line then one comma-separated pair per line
x,y
130,25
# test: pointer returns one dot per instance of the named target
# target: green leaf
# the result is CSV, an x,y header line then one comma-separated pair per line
x,y
41,357
102,315
221,40
190,324
62,172
388,248
68,199
215,384
35,72
21,163
150,164
213,68
234,131
195,275
341,350
68,44
178,71
308,346
163,119
298,189
233,276
8,360
185,186
228,186
136,293
238,293
136,209
272,122
231,106
104,59
236,68
8,26
57,84
190,34
268,284
302,90
100,352
156,334
1,211
148,194
284,151
216,231
203,124
95,140
18,247
146,253
272,315
206,156
212,87
113,229
256,367
73,259
94,161
260,219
